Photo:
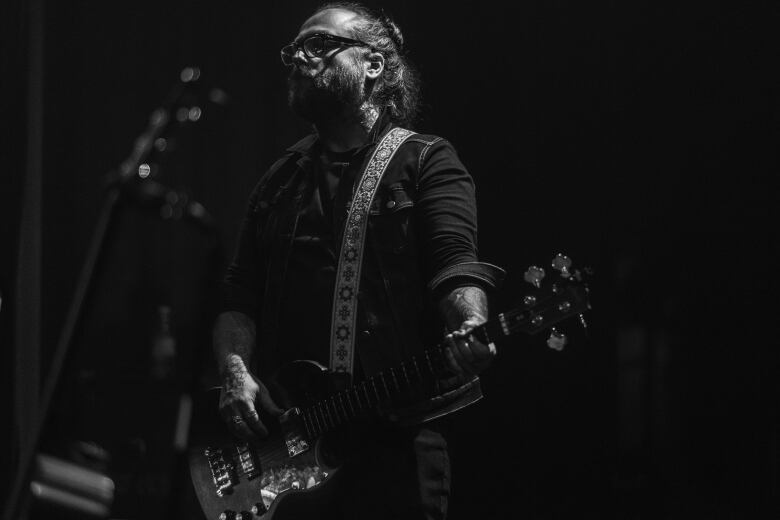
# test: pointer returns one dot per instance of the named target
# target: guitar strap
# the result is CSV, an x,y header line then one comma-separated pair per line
x,y
342,332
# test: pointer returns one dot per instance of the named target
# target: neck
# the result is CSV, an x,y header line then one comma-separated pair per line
x,y
349,130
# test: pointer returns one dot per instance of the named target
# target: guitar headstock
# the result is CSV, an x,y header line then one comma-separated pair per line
x,y
549,300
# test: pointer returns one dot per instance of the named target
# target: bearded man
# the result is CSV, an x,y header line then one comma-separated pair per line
x,y
419,273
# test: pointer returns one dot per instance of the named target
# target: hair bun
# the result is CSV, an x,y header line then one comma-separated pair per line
x,y
393,31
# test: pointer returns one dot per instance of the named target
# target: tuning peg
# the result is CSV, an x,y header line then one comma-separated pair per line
x,y
557,340
562,263
534,275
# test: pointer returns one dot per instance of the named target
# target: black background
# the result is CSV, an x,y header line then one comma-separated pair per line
x,y
638,138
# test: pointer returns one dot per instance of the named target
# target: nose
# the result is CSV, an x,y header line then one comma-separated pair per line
x,y
299,58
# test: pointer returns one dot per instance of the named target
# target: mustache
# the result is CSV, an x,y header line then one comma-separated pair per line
x,y
298,74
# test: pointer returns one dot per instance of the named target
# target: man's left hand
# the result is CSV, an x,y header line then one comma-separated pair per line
x,y
465,353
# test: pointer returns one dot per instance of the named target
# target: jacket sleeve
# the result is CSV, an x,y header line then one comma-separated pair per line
x,y
447,219
242,282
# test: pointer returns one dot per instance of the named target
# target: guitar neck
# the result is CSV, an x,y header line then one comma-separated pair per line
x,y
546,308
414,374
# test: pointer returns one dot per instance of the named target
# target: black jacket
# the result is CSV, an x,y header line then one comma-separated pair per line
x,y
421,243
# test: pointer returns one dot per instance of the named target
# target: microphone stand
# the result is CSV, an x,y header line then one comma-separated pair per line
x,y
129,171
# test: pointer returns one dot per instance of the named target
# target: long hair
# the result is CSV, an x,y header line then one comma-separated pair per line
x,y
398,89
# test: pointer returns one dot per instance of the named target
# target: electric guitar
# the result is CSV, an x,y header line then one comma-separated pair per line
x,y
293,469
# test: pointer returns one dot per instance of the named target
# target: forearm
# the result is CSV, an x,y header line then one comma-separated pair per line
x,y
241,395
467,303
233,341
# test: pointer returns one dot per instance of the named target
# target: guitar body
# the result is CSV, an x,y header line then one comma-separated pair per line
x,y
256,480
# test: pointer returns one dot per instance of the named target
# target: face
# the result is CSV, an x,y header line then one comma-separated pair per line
x,y
326,87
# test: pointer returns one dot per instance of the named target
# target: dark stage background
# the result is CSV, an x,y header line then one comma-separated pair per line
x,y
637,137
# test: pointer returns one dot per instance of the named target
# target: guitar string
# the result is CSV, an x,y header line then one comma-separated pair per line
x,y
277,454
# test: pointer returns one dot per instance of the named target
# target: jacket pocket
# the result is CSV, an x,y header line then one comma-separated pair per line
x,y
390,218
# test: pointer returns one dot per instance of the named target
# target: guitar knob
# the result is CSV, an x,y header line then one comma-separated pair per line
x,y
562,263
258,509
227,514
557,340
244,515
534,275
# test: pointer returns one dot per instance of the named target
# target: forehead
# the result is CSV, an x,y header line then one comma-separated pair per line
x,y
338,22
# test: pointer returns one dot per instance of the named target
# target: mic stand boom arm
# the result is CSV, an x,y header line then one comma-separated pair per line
x,y
159,124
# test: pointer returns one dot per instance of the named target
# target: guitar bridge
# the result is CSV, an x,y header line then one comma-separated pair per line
x,y
222,471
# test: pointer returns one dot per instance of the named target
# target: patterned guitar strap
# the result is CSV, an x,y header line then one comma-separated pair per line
x,y
342,340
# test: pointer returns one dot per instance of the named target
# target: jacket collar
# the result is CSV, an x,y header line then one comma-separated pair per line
x,y
308,145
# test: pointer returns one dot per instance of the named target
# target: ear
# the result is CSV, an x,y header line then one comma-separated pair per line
x,y
374,65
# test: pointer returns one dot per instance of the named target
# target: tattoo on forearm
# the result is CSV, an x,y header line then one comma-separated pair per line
x,y
464,303
234,338
235,373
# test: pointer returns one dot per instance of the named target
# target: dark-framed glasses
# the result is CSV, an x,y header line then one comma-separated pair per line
x,y
316,45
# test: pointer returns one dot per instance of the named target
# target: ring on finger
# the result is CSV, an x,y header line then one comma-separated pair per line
x,y
237,419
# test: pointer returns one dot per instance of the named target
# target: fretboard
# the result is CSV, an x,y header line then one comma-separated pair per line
x,y
409,378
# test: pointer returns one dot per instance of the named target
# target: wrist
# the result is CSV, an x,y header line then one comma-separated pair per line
x,y
464,304
232,365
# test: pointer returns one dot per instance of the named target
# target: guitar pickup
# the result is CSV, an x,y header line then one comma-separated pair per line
x,y
221,471
293,429
246,461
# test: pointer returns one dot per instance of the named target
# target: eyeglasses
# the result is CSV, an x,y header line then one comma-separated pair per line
x,y
316,45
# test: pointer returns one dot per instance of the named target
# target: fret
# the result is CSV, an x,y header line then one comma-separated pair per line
x,y
356,393
417,368
428,361
315,422
313,413
373,385
384,383
349,402
365,390
395,381
440,350
343,406
406,375
309,432
325,415
320,417
335,410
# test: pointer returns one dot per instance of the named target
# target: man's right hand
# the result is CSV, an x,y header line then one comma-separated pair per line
x,y
241,393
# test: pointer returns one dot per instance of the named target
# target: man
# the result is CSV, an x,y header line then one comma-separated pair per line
x,y
349,77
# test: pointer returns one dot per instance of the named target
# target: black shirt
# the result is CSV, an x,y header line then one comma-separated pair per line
x,y
307,293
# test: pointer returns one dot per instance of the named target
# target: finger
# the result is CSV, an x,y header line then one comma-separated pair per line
x,y
252,419
455,358
453,365
466,365
467,327
463,351
479,351
241,429
235,422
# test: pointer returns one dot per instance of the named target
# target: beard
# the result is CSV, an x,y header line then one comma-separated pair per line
x,y
335,92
